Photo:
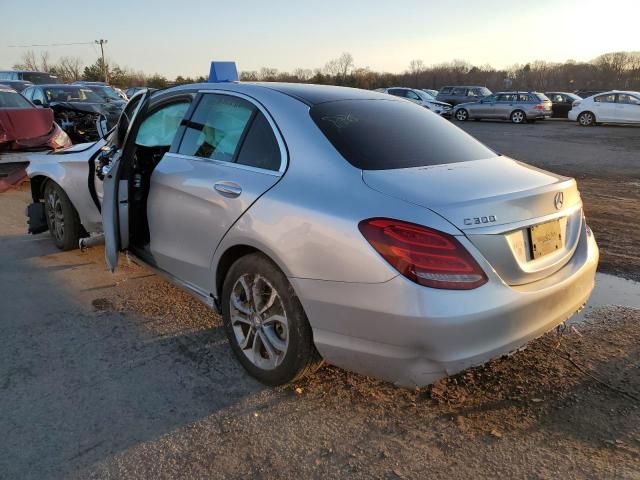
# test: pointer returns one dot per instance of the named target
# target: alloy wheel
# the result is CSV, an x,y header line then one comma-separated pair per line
x,y
586,119
259,321
517,117
55,214
461,115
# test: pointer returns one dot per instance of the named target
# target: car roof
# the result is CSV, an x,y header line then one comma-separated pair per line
x,y
310,94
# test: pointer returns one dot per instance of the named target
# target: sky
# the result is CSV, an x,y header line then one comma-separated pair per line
x,y
182,37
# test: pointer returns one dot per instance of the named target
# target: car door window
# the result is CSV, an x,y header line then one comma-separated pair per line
x,y
610,98
459,91
397,92
412,95
38,95
445,90
628,99
260,148
217,127
159,128
27,93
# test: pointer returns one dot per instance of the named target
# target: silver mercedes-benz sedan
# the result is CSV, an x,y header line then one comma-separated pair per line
x,y
342,224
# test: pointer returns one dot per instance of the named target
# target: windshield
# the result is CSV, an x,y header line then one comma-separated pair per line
x,y
11,99
106,92
388,134
425,95
71,94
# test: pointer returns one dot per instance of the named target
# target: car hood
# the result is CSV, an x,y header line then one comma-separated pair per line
x,y
100,108
500,189
437,102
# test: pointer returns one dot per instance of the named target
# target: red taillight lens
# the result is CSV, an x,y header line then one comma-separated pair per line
x,y
425,256
540,106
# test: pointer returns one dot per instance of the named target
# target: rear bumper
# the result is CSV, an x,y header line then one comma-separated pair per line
x,y
412,335
572,115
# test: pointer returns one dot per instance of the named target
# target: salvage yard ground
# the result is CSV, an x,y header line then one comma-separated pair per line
x,y
112,376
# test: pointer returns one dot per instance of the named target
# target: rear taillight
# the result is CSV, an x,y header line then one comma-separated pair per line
x,y
425,256
575,104
540,106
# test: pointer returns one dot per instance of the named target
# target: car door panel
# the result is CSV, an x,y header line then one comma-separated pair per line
x,y
115,218
192,204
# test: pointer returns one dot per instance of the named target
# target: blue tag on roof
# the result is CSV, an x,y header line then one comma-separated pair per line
x,y
223,72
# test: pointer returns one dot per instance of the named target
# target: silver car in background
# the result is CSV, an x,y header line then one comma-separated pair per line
x,y
518,107
343,224
419,97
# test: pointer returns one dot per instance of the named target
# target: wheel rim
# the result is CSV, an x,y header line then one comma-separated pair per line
x,y
517,117
55,215
461,115
585,119
259,321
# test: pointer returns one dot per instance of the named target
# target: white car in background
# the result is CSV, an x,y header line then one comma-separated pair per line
x,y
421,98
609,107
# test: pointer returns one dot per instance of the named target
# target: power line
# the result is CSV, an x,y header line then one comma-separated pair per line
x,y
50,45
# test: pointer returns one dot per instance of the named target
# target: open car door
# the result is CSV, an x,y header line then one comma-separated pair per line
x,y
115,202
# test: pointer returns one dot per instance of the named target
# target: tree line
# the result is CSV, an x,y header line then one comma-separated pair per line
x,y
615,70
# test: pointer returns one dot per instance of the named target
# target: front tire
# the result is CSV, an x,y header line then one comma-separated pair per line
x,y
265,323
62,218
462,115
518,117
586,119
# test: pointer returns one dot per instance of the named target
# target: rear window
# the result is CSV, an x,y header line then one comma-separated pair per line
x,y
542,97
445,90
388,134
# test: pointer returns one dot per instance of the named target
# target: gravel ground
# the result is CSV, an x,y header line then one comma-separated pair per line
x,y
125,376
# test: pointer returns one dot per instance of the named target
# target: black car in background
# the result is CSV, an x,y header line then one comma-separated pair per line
x,y
462,94
561,103
37,78
76,108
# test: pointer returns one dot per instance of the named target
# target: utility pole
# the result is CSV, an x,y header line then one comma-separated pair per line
x,y
104,65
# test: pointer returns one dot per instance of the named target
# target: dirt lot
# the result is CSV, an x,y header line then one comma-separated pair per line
x,y
606,162
125,376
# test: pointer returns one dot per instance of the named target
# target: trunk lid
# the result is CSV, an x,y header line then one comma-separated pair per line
x,y
494,202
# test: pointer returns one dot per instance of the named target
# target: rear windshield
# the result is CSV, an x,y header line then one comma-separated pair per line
x,y
388,134
11,99
542,97
39,77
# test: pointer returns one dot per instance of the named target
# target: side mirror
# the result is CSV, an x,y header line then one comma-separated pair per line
x,y
36,102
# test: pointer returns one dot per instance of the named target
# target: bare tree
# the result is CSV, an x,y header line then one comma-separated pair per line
x,y
27,61
70,68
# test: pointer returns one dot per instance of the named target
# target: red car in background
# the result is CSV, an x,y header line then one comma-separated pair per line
x,y
23,126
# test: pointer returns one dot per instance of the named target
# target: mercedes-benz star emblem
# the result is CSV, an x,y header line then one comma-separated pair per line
x,y
558,201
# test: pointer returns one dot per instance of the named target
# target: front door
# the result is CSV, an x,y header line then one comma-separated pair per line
x,y
228,157
115,218
604,107
628,108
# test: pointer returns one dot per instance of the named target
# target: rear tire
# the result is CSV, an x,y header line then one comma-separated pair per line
x,y
587,119
62,218
462,115
265,323
518,117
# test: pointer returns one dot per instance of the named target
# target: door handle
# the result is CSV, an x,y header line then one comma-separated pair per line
x,y
228,189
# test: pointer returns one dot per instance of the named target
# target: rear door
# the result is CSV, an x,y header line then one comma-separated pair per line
x,y
230,154
604,107
115,217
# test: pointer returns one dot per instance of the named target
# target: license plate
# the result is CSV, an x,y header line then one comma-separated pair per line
x,y
546,238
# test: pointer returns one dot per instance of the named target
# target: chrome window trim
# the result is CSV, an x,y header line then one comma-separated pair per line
x,y
222,163
284,152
